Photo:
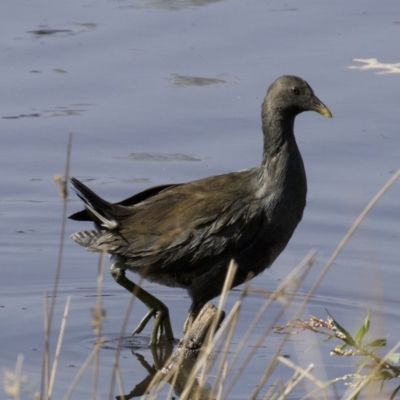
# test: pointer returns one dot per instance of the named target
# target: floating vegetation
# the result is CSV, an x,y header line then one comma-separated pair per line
x,y
159,157
182,80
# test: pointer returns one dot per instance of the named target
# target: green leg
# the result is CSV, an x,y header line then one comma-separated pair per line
x,y
157,308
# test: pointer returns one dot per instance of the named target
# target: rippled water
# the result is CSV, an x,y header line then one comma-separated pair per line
x,y
170,91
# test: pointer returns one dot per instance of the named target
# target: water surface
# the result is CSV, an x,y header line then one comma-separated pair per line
x,y
170,91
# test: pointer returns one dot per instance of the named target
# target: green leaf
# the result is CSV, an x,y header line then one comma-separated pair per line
x,y
377,343
394,358
364,328
349,339
385,374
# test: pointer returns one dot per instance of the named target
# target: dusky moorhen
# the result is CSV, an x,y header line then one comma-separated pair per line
x,y
184,235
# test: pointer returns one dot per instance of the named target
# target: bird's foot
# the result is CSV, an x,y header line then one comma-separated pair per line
x,y
162,324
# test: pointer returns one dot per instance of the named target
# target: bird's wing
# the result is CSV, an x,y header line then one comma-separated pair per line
x,y
186,223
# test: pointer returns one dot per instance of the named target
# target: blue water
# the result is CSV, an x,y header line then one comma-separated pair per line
x,y
170,91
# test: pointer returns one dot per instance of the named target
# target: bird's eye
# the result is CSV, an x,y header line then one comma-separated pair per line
x,y
295,90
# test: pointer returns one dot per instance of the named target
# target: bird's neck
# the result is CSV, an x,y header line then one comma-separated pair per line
x,y
281,174
278,133
282,163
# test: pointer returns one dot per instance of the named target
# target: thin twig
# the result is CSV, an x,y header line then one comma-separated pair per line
x,y
49,314
98,321
58,349
64,193
304,373
46,356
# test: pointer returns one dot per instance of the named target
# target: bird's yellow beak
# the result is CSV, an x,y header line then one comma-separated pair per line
x,y
325,112
320,107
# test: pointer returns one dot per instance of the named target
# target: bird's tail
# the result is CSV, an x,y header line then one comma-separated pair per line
x,y
100,210
86,238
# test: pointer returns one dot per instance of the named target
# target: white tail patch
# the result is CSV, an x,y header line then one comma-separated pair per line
x,y
106,223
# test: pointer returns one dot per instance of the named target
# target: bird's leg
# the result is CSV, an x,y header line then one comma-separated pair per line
x,y
157,308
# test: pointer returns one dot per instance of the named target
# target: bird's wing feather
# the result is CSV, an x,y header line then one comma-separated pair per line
x,y
186,223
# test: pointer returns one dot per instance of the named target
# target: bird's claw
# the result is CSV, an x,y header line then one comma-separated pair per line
x,y
162,324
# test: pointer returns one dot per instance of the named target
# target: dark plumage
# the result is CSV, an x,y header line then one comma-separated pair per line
x,y
185,235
